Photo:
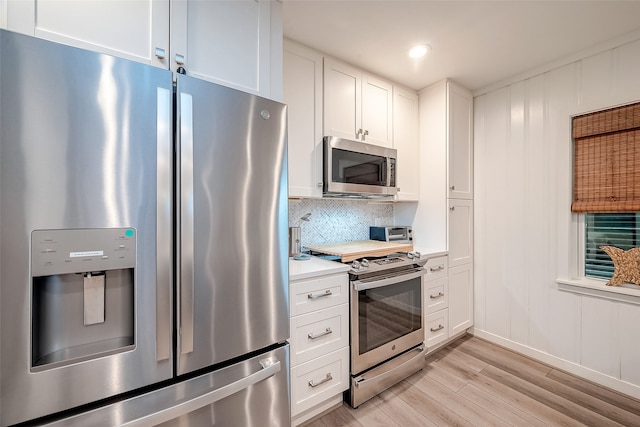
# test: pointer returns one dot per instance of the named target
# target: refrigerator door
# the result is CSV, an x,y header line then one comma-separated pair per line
x,y
250,393
85,256
233,290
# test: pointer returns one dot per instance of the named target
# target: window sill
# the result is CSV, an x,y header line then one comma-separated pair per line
x,y
626,293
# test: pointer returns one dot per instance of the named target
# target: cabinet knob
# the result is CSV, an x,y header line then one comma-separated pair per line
x,y
160,53
452,208
453,187
319,185
358,132
179,59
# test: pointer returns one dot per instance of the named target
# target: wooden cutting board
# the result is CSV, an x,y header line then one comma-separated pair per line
x,y
360,248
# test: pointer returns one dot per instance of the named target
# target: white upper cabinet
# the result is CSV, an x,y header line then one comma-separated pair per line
x,y
405,140
127,29
229,42
303,95
234,43
460,142
357,105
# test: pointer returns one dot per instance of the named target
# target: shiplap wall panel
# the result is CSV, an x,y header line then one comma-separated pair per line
x,y
564,307
516,259
496,212
627,71
537,226
599,349
479,217
629,343
523,176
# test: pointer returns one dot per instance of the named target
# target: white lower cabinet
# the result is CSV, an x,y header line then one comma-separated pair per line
x,y
460,298
436,328
319,344
436,302
317,381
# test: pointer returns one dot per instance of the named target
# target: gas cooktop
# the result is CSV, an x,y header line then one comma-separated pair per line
x,y
398,260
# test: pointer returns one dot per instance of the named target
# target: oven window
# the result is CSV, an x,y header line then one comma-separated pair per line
x,y
358,168
388,313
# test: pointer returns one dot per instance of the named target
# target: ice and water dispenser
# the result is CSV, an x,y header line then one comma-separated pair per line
x,y
83,294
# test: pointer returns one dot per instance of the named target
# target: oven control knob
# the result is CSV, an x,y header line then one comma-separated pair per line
x,y
355,265
365,263
410,255
416,255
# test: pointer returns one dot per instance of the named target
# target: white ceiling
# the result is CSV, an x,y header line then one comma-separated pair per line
x,y
475,43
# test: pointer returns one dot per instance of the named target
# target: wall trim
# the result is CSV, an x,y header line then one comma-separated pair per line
x,y
598,48
562,364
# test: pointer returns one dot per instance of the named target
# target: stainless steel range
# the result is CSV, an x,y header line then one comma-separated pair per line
x,y
386,323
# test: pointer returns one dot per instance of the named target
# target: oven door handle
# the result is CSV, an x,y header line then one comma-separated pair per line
x,y
363,285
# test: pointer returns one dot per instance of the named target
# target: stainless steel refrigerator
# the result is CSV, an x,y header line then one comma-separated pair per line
x,y
143,253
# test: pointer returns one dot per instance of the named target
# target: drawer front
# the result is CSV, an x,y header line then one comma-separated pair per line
x,y
436,268
318,380
319,333
318,293
436,328
436,295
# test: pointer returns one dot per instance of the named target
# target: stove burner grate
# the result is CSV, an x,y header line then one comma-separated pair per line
x,y
386,261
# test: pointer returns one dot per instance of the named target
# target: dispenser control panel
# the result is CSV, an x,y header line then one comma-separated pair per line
x,y
82,250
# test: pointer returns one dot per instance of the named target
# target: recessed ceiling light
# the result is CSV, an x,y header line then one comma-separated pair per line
x,y
419,50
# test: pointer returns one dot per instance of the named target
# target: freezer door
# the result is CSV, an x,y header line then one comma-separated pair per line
x,y
250,393
85,259
233,225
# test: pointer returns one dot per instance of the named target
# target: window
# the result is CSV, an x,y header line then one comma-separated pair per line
x,y
621,230
606,183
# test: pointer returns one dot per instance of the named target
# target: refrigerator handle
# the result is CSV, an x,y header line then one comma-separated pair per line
x,y
186,223
163,224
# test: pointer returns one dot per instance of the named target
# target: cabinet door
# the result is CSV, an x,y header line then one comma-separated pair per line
x,y
460,299
460,140
127,29
460,232
405,140
303,94
342,100
377,111
227,42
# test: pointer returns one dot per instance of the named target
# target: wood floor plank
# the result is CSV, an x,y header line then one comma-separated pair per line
x,y
466,409
370,415
512,397
473,382
548,398
610,396
341,417
504,359
512,415
428,407
445,377
398,410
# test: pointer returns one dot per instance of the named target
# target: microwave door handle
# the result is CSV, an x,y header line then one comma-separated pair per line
x,y
363,285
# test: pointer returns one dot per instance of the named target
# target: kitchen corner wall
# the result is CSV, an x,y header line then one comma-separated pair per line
x,y
337,220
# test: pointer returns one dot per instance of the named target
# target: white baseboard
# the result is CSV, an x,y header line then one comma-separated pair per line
x,y
562,364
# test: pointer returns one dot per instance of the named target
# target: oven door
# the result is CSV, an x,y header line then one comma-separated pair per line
x,y
386,317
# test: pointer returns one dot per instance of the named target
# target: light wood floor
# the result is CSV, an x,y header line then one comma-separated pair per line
x,y
475,383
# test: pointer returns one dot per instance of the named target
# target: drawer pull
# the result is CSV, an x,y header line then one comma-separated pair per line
x,y
439,295
321,334
316,296
438,268
439,328
322,381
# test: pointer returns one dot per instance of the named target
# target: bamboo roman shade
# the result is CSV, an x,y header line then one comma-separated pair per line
x,y
606,168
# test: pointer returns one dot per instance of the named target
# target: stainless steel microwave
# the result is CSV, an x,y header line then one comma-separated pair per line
x,y
357,169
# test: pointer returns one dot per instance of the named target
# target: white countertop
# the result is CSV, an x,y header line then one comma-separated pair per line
x,y
314,267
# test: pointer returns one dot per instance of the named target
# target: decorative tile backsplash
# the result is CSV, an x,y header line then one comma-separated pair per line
x,y
334,220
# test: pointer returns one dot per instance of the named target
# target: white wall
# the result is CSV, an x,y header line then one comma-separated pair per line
x,y
523,222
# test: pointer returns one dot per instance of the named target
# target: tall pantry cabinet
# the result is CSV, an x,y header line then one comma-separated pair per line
x,y
446,199
233,43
